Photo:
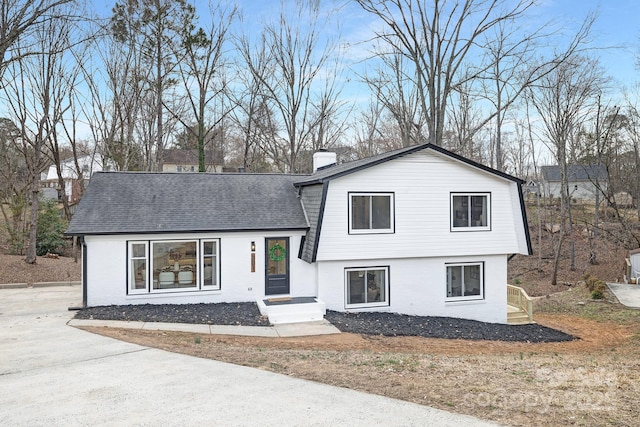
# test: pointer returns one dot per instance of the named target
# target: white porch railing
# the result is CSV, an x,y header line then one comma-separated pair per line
x,y
517,297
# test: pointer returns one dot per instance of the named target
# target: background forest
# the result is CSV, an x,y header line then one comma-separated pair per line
x,y
128,81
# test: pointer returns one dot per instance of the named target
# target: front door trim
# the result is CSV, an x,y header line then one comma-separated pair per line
x,y
276,270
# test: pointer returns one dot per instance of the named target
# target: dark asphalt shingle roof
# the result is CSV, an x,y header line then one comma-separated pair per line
x,y
129,202
575,173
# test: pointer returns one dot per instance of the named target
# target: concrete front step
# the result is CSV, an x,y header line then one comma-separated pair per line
x,y
292,310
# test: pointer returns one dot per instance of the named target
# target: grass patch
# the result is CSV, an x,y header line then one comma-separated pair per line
x,y
578,301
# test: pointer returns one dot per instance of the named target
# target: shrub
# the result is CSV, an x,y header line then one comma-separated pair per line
x,y
50,229
596,286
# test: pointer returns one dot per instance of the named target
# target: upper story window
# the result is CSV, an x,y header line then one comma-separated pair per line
x,y
371,213
470,211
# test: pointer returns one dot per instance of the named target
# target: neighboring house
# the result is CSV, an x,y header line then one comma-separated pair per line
x,y
176,160
581,180
419,230
531,188
72,184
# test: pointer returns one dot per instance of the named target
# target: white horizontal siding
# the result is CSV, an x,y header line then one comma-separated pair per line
x,y
422,183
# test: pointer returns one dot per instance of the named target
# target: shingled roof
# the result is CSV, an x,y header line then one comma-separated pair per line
x,y
575,173
130,202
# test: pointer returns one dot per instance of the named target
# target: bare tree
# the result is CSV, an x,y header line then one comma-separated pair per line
x,y
115,87
14,184
202,73
30,115
60,69
252,117
155,28
289,62
393,86
452,46
464,120
18,20
438,37
563,98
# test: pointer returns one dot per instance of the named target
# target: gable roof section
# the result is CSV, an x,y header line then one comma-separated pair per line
x,y
129,202
332,172
575,173
313,199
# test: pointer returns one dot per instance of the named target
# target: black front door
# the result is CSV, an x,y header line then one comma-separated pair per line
x,y
276,266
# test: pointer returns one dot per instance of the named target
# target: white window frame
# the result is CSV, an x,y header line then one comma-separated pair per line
x,y
372,230
176,289
131,281
448,283
470,227
215,263
383,303
199,257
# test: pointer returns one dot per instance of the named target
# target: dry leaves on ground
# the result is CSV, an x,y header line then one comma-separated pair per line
x,y
13,269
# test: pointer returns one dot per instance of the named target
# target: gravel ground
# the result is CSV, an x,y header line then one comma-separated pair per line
x,y
369,323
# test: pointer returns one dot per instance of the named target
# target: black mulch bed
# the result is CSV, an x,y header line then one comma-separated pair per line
x,y
244,313
391,324
370,323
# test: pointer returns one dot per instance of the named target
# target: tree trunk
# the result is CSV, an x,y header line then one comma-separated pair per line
x,y
33,223
556,256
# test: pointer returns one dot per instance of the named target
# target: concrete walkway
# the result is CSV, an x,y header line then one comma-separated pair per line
x,y
628,295
320,327
52,374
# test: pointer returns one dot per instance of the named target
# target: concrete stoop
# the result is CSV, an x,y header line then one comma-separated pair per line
x,y
292,310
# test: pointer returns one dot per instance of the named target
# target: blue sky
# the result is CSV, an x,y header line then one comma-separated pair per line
x,y
615,34
616,31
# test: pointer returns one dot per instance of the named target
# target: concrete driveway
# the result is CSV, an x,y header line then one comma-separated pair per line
x,y
52,374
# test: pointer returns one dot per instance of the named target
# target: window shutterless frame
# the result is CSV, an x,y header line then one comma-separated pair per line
x,y
169,258
366,287
210,264
138,267
371,212
470,211
186,265
464,281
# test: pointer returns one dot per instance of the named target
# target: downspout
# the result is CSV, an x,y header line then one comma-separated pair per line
x,y
84,272
83,278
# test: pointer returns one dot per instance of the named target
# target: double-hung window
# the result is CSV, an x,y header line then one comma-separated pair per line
x,y
138,263
210,264
465,281
371,213
366,287
470,211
